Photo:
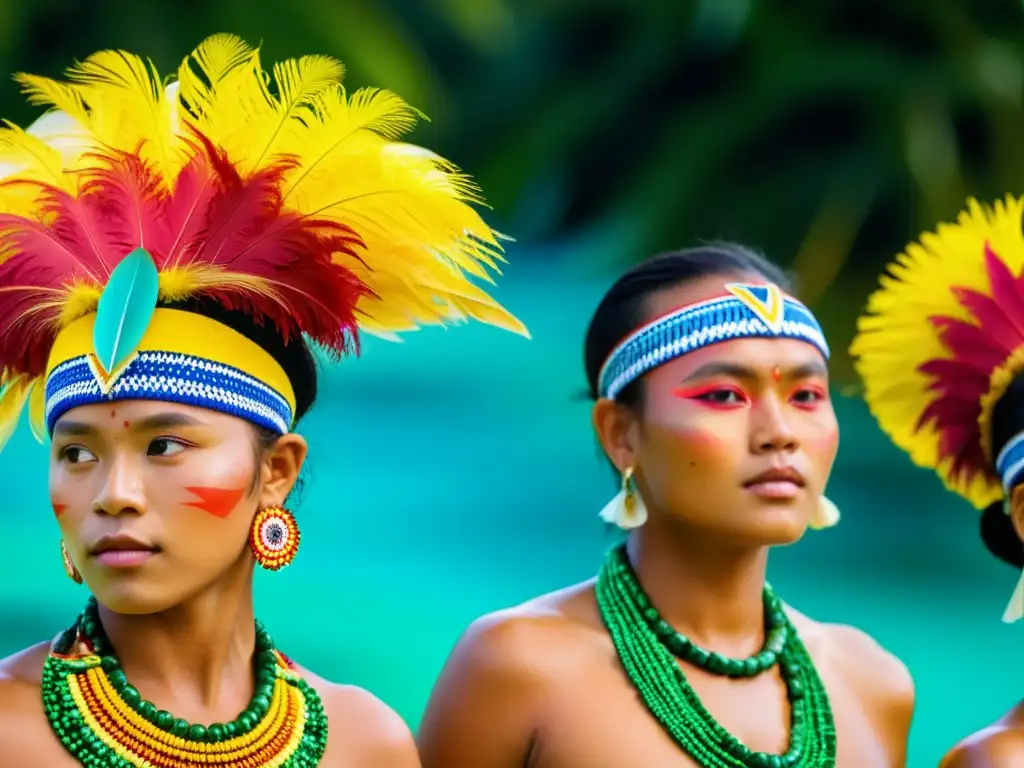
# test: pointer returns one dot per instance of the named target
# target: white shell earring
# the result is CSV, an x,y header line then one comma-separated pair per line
x,y
825,516
627,509
1015,608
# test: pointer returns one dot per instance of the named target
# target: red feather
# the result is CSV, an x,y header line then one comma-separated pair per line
x,y
127,193
976,349
211,216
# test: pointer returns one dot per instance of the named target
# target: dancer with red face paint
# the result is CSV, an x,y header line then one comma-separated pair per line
x,y
170,259
712,405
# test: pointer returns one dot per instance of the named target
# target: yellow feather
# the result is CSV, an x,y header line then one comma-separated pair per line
x,y
894,338
12,401
128,90
340,120
395,198
37,409
80,300
218,81
256,126
42,91
411,290
30,158
179,283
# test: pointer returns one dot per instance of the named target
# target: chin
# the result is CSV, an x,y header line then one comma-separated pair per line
x,y
134,596
776,526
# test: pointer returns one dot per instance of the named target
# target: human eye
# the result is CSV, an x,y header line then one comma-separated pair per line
x,y
809,396
716,396
165,447
76,454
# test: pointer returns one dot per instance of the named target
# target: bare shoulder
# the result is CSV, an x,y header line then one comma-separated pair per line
x,y
489,700
364,731
998,746
548,635
22,719
25,666
876,674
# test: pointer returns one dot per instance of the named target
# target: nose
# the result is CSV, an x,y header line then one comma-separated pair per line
x,y
122,490
771,430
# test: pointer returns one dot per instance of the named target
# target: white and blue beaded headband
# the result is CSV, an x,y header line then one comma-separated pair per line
x,y
1010,463
746,312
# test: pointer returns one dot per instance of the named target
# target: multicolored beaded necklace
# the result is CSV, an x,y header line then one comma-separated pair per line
x,y
103,722
646,644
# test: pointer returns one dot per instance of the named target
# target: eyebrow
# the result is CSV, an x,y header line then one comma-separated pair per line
x,y
167,421
65,428
740,371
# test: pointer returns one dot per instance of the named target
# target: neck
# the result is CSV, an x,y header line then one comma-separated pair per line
x,y
711,593
198,652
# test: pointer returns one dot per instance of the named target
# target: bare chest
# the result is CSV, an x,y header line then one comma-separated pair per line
x,y
604,723
31,743
28,741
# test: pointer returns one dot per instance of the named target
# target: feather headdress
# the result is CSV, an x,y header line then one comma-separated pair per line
x,y
943,339
283,196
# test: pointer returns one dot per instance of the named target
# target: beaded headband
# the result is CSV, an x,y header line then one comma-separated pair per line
x,y
183,358
1010,463
747,312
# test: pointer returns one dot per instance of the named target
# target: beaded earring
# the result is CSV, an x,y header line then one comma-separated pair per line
x,y
627,509
69,565
825,515
274,538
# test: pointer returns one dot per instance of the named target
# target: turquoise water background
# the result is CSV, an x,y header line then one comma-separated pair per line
x,y
455,474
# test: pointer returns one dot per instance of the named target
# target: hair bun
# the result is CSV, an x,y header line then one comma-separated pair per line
x,y
1000,537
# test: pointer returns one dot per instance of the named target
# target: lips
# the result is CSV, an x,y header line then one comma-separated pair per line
x,y
777,484
778,475
122,551
120,543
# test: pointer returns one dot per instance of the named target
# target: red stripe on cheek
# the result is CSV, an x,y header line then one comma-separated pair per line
x,y
219,502
58,509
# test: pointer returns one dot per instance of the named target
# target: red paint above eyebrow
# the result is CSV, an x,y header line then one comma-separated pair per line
x,y
219,502
58,509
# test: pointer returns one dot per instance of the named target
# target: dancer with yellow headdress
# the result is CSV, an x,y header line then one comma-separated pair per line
x,y
169,257
941,353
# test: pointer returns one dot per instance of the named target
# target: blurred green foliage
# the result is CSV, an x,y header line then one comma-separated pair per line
x,y
828,134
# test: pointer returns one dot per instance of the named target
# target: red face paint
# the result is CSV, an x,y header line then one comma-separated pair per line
x,y
777,373
810,397
126,425
219,502
714,395
58,509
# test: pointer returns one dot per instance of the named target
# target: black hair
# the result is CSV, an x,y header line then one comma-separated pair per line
x,y
294,357
997,531
623,307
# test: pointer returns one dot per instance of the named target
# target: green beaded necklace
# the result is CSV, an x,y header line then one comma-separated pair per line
x,y
645,644
102,721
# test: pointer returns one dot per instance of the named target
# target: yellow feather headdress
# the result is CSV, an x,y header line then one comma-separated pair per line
x,y
943,339
282,196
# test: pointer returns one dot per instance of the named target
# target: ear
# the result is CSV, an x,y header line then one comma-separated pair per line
x,y
280,469
618,429
1015,508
